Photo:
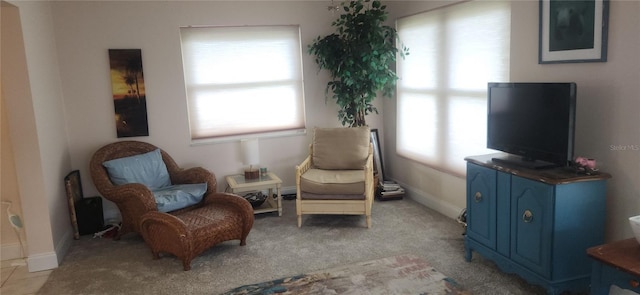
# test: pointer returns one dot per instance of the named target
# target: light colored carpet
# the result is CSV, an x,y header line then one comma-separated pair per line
x,y
277,248
401,274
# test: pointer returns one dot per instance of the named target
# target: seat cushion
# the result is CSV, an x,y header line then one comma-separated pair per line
x,y
341,148
179,196
332,182
310,196
148,169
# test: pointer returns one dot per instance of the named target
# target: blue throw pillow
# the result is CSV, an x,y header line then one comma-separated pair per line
x,y
147,169
179,196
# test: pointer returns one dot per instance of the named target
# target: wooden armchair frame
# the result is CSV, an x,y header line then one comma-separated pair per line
x,y
332,206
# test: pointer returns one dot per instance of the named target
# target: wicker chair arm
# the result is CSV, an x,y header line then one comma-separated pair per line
x,y
223,198
195,175
154,221
135,195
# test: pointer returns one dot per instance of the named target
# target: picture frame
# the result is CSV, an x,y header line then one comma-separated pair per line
x,y
128,92
573,31
377,156
73,189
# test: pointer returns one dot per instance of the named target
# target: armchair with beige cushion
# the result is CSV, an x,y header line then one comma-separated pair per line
x,y
337,176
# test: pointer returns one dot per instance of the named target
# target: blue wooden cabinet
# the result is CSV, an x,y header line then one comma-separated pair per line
x,y
535,223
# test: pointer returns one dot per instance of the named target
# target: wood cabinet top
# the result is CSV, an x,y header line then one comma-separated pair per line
x,y
624,255
558,175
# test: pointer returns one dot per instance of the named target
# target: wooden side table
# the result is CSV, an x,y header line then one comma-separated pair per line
x,y
238,184
616,263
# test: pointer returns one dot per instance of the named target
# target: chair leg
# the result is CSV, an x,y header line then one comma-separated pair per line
x,y
299,220
368,221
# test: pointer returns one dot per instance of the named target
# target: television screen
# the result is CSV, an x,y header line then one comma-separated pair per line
x,y
533,122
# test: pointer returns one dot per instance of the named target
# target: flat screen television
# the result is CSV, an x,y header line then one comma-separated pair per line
x,y
534,123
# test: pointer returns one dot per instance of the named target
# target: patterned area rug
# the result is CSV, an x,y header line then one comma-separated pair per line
x,y
403,274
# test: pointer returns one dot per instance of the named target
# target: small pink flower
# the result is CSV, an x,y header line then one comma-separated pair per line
x,y
585,162
591,163
581,161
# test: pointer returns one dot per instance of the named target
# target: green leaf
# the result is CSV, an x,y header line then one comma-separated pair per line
x,y
358,58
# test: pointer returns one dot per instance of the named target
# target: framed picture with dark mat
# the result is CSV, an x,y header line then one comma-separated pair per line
x,y
573,31
378,168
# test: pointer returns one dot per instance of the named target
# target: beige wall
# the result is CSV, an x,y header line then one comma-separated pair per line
x,y
30,79
608,102
65,49
608,105
66,87
10,241
85,31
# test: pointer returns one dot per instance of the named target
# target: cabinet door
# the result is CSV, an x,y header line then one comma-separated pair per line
x,y
481,205
532,224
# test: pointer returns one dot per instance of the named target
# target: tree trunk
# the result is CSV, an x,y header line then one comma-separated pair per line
x,y
359,119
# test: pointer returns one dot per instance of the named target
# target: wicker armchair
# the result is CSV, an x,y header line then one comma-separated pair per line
x,y
134,200
186,232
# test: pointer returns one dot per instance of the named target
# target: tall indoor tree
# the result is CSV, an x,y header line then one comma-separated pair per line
x,y
359,57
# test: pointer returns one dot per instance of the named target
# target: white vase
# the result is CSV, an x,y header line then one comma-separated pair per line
x,y
635,226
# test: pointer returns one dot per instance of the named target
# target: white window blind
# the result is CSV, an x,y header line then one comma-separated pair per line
x,y
243,80
442,92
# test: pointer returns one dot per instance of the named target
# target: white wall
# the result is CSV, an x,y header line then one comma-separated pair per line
x,y
38,133
10,242
60,80
66,43
84,31
608,102
607,113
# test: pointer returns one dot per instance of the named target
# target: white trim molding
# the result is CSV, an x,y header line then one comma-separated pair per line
x,y
444,208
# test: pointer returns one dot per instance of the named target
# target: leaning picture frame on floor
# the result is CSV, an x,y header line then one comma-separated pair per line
x,y
573,31
73,189
377,157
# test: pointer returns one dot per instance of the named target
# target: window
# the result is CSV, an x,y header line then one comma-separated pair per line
x,y
442,92
242,80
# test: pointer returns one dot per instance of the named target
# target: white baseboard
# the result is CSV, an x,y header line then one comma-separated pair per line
x,y
37,262
444,208
64,245
289,190
43,261
10,251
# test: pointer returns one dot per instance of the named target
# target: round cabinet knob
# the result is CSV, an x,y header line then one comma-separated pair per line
x,y
527,216
478,197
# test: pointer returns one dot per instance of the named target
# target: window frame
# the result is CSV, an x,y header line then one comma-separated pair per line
x,y
292,50
437,90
